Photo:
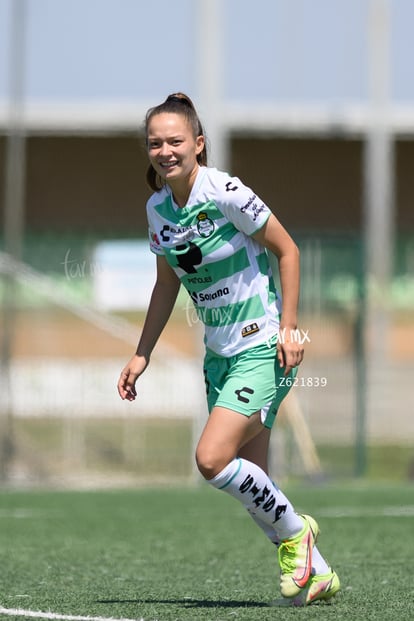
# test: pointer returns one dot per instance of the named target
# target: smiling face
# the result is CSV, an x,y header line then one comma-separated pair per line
x,y
173,149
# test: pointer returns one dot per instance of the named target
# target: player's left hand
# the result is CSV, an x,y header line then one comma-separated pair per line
x,y
290,351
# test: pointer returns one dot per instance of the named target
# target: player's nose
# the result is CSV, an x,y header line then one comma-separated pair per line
x,y
165,149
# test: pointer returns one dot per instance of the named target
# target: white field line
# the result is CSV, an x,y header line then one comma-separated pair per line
x,y
33,614
23,513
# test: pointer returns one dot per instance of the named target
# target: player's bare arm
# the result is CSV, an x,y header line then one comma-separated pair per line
x,y
162,302
276,239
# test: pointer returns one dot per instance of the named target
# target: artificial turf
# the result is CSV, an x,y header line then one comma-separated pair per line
x,y
187,554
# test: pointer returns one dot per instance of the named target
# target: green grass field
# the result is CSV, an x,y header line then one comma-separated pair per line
x,y
191,554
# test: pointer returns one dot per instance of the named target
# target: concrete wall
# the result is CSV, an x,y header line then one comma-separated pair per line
x,y
96,183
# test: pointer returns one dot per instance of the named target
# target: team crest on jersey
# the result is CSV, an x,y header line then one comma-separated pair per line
x,y
205,226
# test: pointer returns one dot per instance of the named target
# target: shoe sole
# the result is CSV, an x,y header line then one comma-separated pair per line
x,y
321,597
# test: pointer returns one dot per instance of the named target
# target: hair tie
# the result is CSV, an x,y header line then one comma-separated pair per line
x,y
179,99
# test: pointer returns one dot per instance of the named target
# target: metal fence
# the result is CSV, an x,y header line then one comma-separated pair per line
x,y
62,420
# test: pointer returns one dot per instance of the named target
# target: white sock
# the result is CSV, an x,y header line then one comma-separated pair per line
x,y
269,531
250,484
319,565
272,532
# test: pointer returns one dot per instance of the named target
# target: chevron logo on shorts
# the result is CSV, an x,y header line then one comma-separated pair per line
x,y
241,397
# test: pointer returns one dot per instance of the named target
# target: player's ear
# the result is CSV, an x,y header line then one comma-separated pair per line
x,y
200,142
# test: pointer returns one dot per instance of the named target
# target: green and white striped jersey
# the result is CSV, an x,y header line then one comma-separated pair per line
x,y
208,243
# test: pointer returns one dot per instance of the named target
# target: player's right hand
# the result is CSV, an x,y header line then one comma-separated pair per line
x,y
129,375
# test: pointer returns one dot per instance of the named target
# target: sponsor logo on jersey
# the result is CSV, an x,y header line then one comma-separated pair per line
x,y
155,238
252,328
188,255
248,204
199,280
230,187
205,226
207,297
184,232
253,206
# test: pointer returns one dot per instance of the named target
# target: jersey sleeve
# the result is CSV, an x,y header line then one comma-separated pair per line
x,y
154,241
241,205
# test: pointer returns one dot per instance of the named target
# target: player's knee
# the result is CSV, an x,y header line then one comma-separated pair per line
x,y
208,463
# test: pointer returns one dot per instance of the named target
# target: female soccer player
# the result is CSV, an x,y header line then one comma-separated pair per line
x,y
213,234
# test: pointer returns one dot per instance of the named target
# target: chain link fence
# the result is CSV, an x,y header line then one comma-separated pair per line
x,y
66,336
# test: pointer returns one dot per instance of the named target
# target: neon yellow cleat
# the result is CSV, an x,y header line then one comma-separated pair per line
x,y
320,587
295,558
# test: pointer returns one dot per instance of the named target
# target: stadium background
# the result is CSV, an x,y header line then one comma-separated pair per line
x,y
295,128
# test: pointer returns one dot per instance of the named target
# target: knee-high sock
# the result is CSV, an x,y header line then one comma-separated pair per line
x,y
252,487
319,564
